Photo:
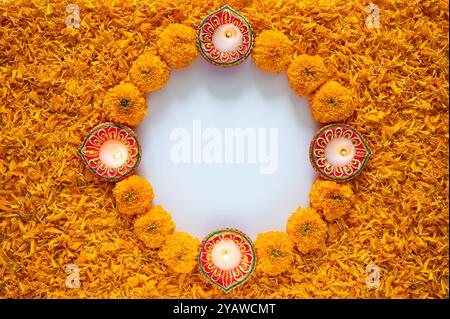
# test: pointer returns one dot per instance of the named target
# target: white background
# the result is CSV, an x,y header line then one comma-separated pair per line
x,y
203,197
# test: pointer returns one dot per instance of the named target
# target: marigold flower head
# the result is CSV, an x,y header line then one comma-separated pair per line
x,y
133,195
331,103
149,73
272,51
177,45
180,252
306,73
153,227
307,230
331,198
125,104
275,252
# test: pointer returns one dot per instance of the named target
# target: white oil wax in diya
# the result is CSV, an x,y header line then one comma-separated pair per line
x,y
113,153
227,38
226,255
339,151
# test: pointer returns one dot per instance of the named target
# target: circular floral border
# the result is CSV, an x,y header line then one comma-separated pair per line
x,y
306,230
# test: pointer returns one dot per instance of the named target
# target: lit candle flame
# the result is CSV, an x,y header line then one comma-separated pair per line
x,y
113,153
339,151
118,155
227,38
226,256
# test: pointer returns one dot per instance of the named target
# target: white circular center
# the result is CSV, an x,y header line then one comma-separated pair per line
x,y
226,255
113,153
227,38
227,147
339,151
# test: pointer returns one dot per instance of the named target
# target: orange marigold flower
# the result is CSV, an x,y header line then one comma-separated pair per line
x,y
272,51
306,73
133,195
153,227
177,45
332,102
275,252
125,104
180,252
307,230
149,73
331,198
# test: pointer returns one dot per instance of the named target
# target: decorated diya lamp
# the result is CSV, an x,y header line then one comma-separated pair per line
x,y
338,152
225,37
227,258
111,151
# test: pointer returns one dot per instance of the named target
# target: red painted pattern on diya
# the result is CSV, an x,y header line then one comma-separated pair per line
x,y
227,258
338,152
111,151
225,37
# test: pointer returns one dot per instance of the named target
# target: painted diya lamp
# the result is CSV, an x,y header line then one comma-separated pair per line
x,y
227,258
338,152
111,151
225,37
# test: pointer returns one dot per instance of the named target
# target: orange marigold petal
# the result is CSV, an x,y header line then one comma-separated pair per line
x,y
275,252
331,103
180,252
307,230
177,45
306,73
133,195
331,199
153,227
272,51
149,73
125,104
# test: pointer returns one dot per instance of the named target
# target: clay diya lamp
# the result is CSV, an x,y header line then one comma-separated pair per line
x,y
338,152
111,151
227,258
225,37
